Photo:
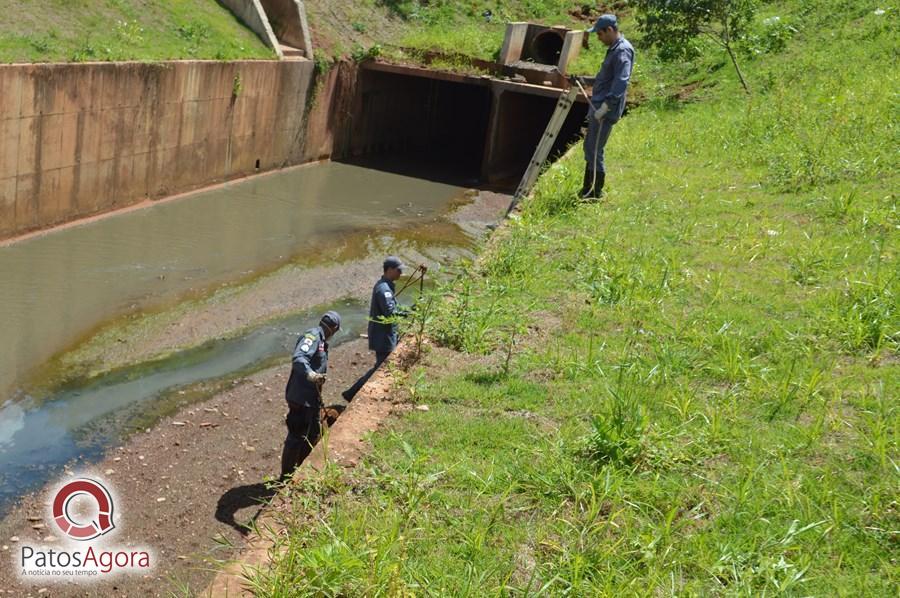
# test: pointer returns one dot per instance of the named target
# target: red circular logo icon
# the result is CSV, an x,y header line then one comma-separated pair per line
x,y
77,530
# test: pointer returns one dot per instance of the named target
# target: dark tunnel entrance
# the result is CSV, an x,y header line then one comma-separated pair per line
x,y
417,125
472,131
517,129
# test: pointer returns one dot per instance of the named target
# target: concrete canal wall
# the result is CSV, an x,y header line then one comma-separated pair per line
x,y
81,139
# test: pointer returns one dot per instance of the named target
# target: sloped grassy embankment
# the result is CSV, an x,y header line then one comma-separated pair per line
x,y
100,30
689,388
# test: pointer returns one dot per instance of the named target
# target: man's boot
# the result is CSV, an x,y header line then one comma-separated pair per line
x,y
588,181
593,184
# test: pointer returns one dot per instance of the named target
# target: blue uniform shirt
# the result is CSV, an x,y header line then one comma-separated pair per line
x,y
310,354
612,80
382,336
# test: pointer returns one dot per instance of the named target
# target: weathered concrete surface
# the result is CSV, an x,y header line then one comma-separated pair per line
x,y
480,123
251,14
80,139
513,42
288,21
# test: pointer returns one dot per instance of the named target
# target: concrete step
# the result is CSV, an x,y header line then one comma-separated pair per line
x,y
288,52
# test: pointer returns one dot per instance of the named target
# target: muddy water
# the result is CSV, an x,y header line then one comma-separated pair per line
x,y
58,287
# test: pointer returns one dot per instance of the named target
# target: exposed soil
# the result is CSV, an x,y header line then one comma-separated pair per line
x,y
208,463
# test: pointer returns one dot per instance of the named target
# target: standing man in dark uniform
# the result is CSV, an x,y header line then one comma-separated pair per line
x,y
608,99
304,392
382,335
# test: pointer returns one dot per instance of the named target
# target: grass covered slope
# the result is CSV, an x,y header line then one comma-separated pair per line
x,y
391,28
690,388
98,30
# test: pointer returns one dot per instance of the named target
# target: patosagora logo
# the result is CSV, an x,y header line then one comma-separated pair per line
x,y
82,509
104,502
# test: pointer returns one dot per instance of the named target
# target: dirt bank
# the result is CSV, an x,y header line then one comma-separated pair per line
x,y
207,462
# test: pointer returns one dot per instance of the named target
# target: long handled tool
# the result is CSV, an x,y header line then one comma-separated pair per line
x,y
545,146
584,92
418,274
597,141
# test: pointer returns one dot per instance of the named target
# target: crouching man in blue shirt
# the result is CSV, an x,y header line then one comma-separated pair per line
x,y
608,99
309,366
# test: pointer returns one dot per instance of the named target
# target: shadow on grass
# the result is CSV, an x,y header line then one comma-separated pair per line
x,y
487,378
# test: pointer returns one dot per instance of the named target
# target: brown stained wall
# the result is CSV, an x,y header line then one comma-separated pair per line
x,y
408,114
329,126
81,139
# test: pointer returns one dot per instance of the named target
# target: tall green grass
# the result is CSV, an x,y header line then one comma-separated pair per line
x,y
686,389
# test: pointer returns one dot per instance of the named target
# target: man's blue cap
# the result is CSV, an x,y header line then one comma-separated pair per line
x,y
603,22
392,262
332,319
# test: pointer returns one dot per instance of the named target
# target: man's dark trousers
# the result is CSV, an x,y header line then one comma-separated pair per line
x,y
304,430
594,146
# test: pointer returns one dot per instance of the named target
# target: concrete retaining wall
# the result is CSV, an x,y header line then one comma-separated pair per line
x,y
80,139
83,139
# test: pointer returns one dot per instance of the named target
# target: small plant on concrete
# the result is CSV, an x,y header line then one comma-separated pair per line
x,y
322,61
361,53
236,87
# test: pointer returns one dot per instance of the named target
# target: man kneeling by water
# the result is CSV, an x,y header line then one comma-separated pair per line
x,y
304,392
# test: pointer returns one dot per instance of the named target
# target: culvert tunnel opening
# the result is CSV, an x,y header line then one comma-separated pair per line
x,y
546,47
420,126
476,132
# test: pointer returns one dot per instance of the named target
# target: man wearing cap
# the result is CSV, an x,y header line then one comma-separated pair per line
x,y
304,392
382,334
607,99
